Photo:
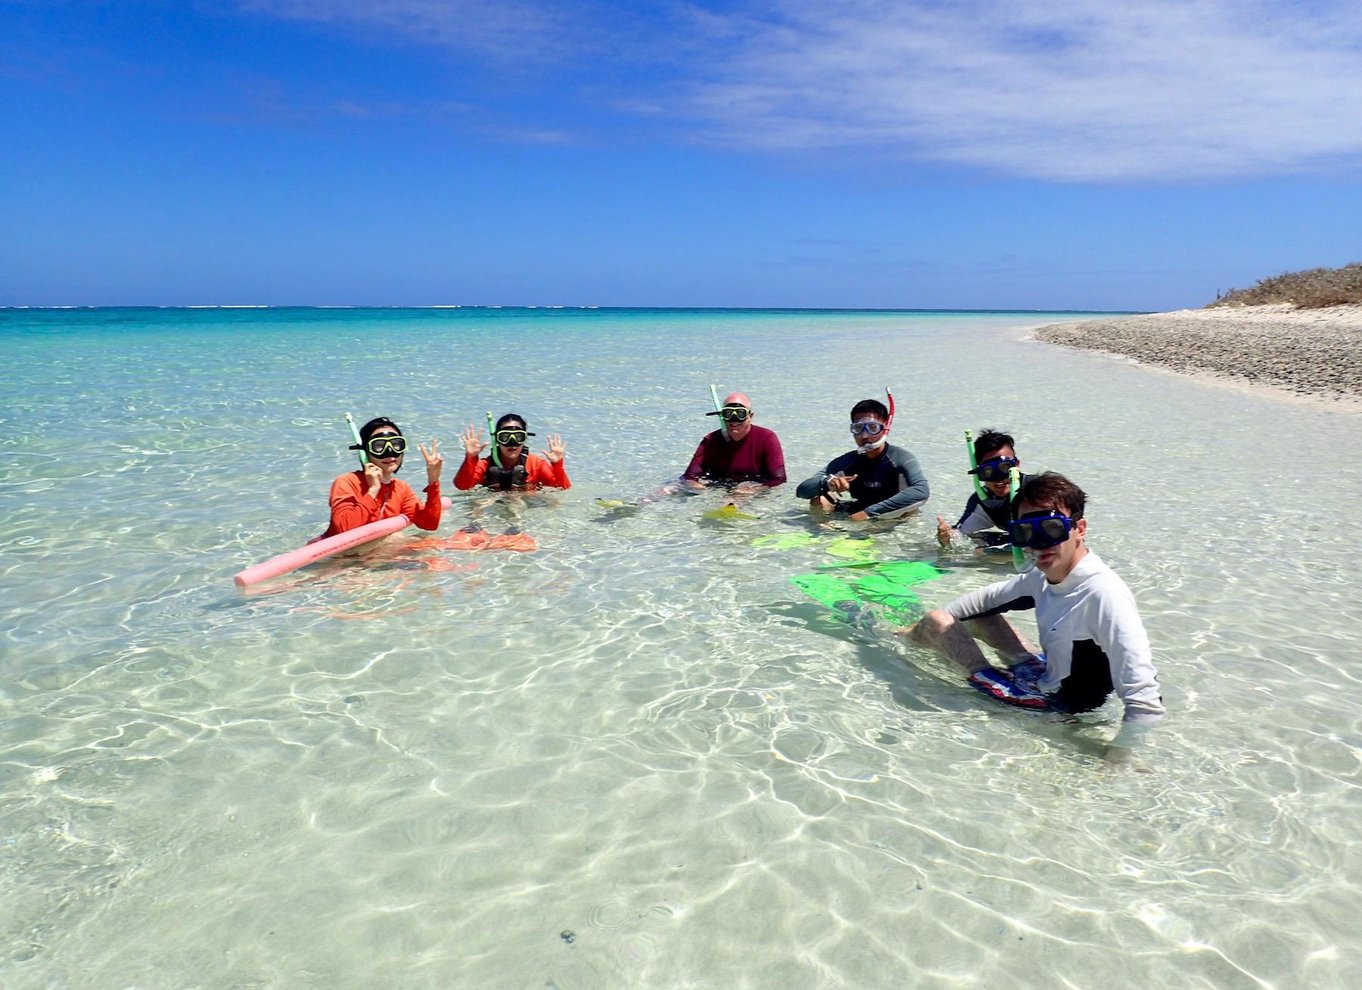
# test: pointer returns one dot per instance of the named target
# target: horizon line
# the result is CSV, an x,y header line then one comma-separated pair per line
x,y
554,307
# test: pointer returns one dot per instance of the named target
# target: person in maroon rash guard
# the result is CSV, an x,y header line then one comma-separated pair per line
x,y
739,453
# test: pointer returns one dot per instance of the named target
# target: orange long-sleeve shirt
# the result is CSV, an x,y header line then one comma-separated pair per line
x,y
351,506
539,473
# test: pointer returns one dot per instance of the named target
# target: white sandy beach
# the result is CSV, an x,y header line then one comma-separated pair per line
x,y
1313,355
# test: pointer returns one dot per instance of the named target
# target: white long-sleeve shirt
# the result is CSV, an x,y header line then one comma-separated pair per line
x,y
1091,633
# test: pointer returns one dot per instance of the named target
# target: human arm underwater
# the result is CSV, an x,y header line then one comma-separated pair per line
x,y
836,477
973,520
691,477
1119,632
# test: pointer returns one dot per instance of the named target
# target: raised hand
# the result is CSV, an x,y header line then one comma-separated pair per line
x,y
435,461
943,531
473,443
373,476
556,451
841,482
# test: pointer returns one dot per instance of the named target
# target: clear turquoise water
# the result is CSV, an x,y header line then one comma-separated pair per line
x,y
639,757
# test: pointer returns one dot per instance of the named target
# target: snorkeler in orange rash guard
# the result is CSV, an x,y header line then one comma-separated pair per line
x,y
511,467
373,493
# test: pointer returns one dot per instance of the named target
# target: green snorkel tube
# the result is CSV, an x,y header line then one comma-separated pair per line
x,y
492,435
974,466
1014,487
354,432
718,408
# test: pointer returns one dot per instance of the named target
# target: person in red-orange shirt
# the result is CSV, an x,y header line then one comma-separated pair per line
x,y
511,467
361,497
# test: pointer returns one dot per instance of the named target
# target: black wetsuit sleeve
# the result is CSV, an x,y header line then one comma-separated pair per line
x,y
913,484
977,518
817,485
971,507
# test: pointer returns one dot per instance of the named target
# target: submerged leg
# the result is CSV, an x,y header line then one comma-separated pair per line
x,y
940,631
1000,634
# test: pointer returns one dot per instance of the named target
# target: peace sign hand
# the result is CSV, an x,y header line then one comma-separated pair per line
x,y
435,461
473,443
556,451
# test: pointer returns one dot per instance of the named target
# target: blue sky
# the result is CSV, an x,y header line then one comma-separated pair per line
x,y
1000,154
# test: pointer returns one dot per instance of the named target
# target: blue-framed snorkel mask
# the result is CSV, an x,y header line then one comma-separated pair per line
x,y
1040,530
994,469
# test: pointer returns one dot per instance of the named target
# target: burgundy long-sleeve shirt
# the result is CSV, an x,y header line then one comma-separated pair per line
x,y
756,457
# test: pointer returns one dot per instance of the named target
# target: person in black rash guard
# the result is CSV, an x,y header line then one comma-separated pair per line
x,y
884,481
985,520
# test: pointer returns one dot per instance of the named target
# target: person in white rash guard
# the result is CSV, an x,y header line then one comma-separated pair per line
x,y
1092,642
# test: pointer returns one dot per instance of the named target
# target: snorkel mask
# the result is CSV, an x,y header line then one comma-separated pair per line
x,y
374,446
1040,530
995,469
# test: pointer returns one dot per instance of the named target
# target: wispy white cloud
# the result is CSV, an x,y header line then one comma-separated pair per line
x,y
1083,90
1069,90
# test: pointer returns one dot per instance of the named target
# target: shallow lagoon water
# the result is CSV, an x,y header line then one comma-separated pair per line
x,y
639,756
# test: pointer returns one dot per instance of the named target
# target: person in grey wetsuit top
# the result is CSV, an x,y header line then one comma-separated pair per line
x,y
986,519
883,481
1092,639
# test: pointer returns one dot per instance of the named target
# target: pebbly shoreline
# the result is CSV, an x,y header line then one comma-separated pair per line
x,y
1312,354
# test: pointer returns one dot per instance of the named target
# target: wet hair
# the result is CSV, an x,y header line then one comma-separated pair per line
x,y
873,406
1053,491
512,418
989,441
372,427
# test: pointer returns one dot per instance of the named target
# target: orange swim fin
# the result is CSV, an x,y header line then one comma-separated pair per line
x,y
468,538
518,542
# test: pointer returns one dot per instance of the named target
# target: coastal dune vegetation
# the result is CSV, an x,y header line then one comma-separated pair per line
x,y
1314,288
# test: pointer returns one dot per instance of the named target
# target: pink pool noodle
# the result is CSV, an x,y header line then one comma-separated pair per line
x,y
318,549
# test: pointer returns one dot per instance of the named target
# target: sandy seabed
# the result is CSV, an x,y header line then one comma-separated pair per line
x,y
1302,354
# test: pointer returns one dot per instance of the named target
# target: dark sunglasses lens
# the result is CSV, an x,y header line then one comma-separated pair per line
x,y
999,470
1040,533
